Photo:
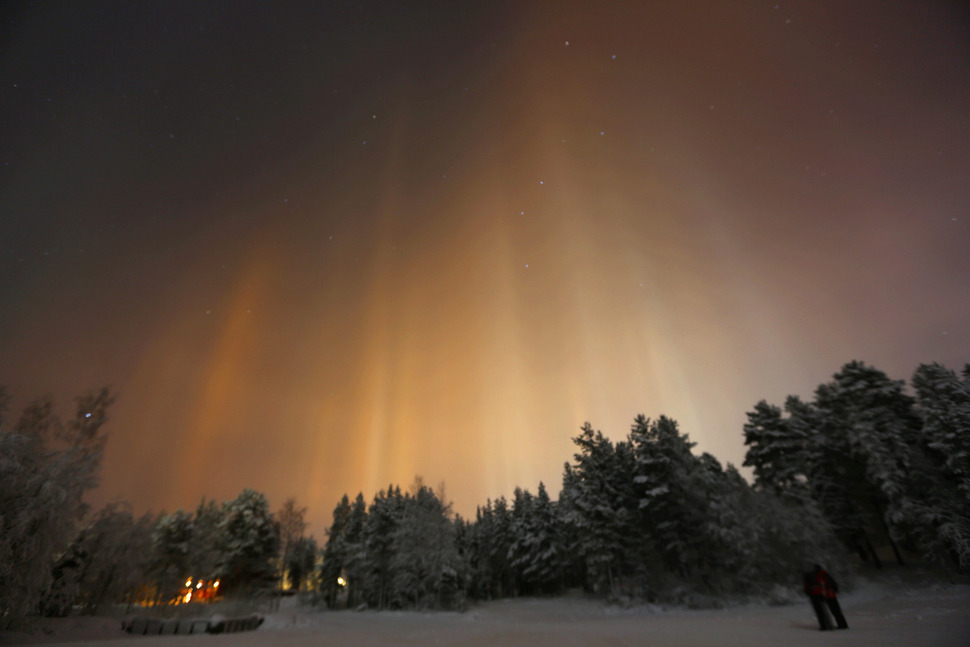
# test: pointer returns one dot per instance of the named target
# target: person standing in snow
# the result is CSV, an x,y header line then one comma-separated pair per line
x,y
813,589
829,590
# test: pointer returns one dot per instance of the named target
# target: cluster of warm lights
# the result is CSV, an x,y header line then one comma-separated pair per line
x,y
341,581
204,593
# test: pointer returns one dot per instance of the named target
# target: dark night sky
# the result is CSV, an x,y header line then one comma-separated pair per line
x,y
318,248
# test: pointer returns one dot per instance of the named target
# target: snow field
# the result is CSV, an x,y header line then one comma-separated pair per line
x,y
879,615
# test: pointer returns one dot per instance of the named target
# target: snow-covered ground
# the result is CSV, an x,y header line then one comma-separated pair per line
x,y
882,614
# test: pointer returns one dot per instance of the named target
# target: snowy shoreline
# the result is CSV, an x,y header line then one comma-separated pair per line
x,y
883,613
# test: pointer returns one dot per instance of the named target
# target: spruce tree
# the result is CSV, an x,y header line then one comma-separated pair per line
x,y
669,507
249,543
46,466
598,507
940,502
334,553
869,432
354,547
383,517
171,542
777,450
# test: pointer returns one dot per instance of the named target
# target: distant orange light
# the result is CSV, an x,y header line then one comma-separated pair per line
x,y
188,582
188,596
215,584
199,585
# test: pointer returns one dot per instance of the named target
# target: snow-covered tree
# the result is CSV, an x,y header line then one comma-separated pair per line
x,y
869,431
171,544
765,537
334,553
300,562
489,545
292,524
383,517
203,557
425,562
944,406
939,507
778,451
249,541
536,553
853,450
46,466
669,506
355,567
597,503
522,550
108,562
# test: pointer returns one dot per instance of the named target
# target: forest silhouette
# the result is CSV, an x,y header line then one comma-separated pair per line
x,y
864,470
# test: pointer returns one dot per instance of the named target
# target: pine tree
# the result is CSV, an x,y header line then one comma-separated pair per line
x,y
355,568
292,524
597,503
536,552
113,552
46,466
249,542
383,517
521,551
940,503
503,579
944,406
670,508
171,541
203,558
478,537
464,539
854,450
425,559
869,432
334,553
489,546
301,558
777,450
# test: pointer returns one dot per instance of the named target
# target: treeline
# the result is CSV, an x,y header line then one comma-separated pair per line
x,y
883,466
46,466
238,544
642,518
57,556
863,466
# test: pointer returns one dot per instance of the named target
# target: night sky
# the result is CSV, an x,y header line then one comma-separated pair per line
x,y
318,248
